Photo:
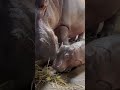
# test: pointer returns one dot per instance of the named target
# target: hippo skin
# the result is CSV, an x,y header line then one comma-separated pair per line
x,y
47,46
65,17
70,56
16,44
103,61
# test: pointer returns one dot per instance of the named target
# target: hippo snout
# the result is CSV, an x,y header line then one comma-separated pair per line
x,y
58,66
59,69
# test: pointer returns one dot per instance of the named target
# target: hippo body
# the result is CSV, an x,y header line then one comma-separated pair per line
x,y
103,61
72,20
62,17
16,44
102,11
70,56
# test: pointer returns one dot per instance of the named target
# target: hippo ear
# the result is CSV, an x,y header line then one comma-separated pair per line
x,y
61,45
58,51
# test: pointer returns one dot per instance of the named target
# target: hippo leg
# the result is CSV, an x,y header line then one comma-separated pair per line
x,y
64,34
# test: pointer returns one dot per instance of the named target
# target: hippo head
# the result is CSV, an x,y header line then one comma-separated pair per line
x,y
46,43
65,60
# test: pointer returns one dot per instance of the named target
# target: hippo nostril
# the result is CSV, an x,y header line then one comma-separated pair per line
x,y
57,64
58,68
67,70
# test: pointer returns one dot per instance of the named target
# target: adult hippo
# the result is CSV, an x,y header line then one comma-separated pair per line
x,y
65,17
102,63
99,11
16,44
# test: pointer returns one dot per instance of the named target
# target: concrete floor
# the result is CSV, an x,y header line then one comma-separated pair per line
x,y
76,77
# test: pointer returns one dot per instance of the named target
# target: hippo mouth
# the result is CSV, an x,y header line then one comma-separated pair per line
x,y
61,69
67,70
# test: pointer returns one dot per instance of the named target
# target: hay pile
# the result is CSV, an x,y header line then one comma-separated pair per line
x,y
47,74
57,81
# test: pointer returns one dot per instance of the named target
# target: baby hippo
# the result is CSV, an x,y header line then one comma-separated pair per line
x,y
70,56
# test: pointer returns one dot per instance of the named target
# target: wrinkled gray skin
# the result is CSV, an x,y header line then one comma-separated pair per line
x,y
46,44
70,56
103,62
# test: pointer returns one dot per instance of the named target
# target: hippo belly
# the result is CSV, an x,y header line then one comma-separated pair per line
x,y
74,16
